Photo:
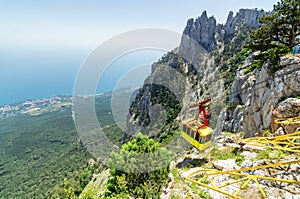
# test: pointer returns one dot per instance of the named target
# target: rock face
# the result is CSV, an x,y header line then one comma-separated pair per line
x,y
158,102
202,30
288,108
263,97
205,30
249,16
252,99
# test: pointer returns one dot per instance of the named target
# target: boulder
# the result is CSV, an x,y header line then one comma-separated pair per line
x,y
228,164
279,131
288,108
249,155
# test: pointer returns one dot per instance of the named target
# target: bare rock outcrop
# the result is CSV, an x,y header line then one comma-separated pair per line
x,y
249,16
288,108
263,97
195,59
202,30
205,30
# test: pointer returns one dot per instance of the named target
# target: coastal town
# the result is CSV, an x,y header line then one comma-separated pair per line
x,y
36,106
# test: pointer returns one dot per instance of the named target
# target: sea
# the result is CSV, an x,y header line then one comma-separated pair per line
x,y
26,75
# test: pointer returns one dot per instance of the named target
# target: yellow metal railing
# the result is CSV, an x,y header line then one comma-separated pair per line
x,y
294,120
289,142
245,178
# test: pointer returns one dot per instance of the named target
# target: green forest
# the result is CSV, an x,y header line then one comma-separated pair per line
x,y
42,157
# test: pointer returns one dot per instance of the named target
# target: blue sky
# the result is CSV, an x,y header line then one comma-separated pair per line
x,y
43,42
71,24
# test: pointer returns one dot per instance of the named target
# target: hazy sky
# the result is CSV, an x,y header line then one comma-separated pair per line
x,y
43,43
74,24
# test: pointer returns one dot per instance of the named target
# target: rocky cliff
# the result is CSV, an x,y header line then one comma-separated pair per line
x,y
261,97
248,16
202,30
205,30
210,62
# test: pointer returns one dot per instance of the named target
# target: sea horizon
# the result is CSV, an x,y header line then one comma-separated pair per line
x,y
38,77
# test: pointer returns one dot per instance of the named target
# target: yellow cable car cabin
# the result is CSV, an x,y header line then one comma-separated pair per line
x,y
196,131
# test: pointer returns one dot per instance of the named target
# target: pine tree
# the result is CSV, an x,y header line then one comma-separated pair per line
x,y
278,33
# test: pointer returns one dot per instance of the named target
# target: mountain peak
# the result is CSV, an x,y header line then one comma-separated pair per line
x,y
204,29
247,16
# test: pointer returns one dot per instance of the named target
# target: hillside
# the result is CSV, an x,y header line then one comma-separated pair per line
x,y
37,152
40,152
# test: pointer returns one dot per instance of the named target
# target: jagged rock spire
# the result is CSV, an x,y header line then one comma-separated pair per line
x,y
204,29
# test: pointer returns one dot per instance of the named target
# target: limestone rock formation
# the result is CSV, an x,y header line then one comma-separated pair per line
x,y
263,97
200,62
202,30
249,16
205,30
288,108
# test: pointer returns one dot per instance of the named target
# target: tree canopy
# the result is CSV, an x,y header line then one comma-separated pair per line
x,y
278,33
139,169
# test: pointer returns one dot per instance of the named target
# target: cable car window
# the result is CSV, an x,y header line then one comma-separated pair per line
x,y
197,137
189,131
208,137
184,128
202,140
192,134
